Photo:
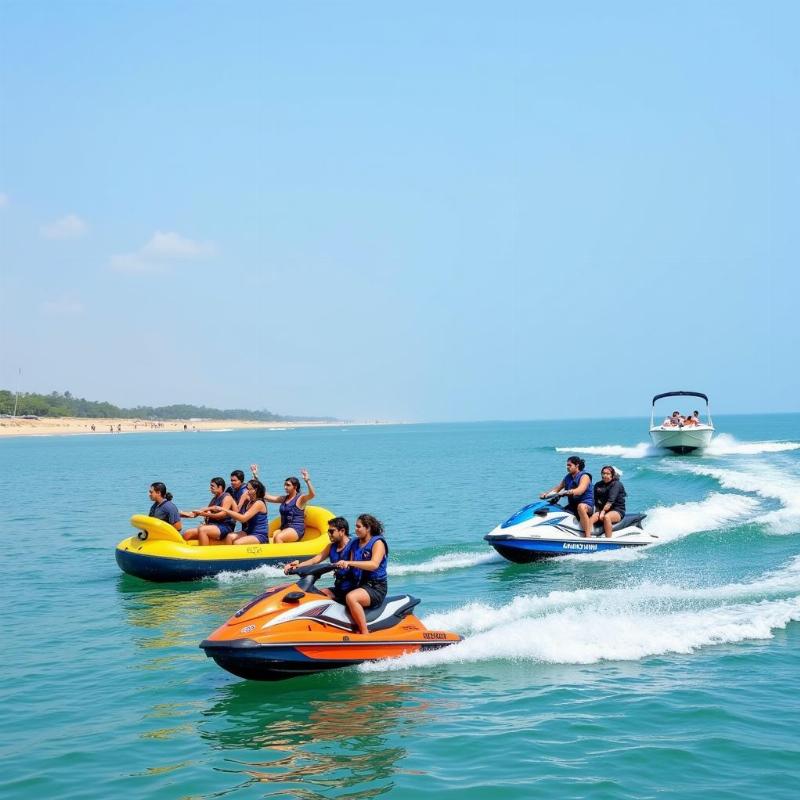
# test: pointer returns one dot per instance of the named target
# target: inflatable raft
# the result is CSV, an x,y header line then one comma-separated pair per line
x,y
157,552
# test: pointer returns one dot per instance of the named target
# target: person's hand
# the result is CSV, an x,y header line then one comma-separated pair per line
x,y
543,495
304,474
191,514
254,469
602,514
290,567
341,565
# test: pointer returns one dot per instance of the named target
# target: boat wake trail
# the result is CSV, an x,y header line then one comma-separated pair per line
x,y
641,450
722,445
445,562
624,623
765,481
725,445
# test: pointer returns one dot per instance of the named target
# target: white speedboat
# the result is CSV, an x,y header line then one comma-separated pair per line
x,y
545,529
679,437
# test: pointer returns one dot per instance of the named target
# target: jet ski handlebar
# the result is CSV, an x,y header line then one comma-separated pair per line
x,y
308,575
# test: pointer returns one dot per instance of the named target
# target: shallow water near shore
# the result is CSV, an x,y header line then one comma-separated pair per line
x,y
661,672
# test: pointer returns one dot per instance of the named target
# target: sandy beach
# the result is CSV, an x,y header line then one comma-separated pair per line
x,y
76,426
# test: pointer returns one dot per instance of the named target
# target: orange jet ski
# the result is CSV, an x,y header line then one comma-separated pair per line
x,y
295,629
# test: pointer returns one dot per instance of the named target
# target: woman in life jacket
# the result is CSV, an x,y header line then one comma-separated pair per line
x,y
253,516
338,549
368,561
293,518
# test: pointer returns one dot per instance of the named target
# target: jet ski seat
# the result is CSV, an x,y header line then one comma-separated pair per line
x,y
378,618
628,519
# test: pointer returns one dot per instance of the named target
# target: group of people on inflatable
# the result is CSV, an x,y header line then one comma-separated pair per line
x,y
602,503
240,502
360,561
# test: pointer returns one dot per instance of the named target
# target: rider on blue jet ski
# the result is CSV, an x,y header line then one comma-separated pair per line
x,y
577,485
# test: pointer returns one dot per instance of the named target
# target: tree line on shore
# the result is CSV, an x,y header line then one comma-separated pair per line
x,y
56,404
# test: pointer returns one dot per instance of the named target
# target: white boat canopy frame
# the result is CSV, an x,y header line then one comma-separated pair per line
x,y
681,393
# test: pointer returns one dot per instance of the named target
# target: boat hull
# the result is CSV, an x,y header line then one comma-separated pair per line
x,y
682,440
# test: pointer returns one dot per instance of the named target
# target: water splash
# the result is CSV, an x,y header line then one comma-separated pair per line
x,y
641,450
444,563
618,624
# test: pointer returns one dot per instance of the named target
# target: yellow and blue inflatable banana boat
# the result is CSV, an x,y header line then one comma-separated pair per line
x,y
159,553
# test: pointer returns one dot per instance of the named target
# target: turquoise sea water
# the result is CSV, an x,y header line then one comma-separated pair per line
x,y
670,672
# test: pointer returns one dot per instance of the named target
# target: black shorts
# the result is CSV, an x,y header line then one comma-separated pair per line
x,y
340,593
376,591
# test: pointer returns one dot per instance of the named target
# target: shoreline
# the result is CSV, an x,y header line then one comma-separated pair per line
x,y
79,426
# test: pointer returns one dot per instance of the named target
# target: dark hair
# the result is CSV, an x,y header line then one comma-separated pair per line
x,y
161,489
261,490
696,412
237,473
375,525
611,469
579,461
340,523
219,482
295,482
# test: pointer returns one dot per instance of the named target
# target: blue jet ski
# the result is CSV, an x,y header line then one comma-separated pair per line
x,y
545,529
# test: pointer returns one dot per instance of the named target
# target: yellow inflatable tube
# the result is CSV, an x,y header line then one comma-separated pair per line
x,y
159,553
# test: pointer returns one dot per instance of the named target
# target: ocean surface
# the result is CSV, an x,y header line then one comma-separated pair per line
x,y
666,672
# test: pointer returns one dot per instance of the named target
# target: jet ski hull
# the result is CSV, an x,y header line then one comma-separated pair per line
x,y
523,551
274,662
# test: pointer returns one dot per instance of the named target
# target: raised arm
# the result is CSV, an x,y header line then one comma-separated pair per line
x,y
309,494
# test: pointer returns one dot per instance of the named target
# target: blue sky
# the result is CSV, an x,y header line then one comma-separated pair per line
x,y
412,211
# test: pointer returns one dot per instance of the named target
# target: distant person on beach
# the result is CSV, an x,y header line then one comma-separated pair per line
x,y
579,490
293,522
609,499
252,515
368,560
218,522
340,548
163,508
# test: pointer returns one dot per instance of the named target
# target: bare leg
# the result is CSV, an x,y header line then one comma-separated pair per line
x,y
583,516
248,540
357,601
286,535
611,519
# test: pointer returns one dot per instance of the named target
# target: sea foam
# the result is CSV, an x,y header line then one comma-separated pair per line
x,y
622,623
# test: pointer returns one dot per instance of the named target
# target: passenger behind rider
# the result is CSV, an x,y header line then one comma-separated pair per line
x,y
609,498
218,523
577,485
253,516
163,508
237,489
338,549
293,521
368,562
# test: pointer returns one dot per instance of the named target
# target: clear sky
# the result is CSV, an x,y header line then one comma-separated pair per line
x,y
408,210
